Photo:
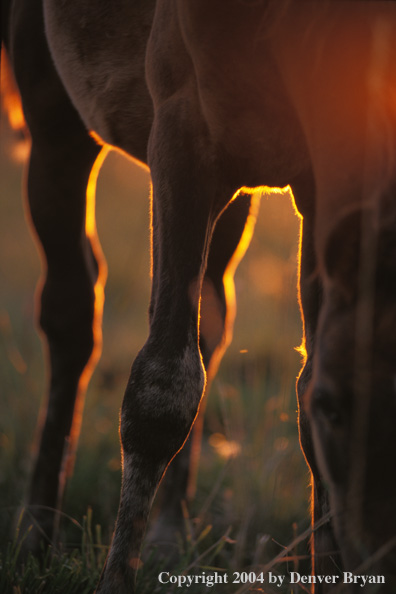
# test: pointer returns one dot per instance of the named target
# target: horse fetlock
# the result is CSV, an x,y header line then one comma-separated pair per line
x,y
161,402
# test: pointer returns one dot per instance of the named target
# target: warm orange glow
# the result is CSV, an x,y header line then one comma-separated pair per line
x,y
228,277
293,202
96,138
224,447
99,140
151,230
302,348
272,282
12,106
20,150
209,303
91,232
303,352
11,101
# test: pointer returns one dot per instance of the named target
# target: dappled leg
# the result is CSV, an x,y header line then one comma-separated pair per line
x,y
62,157
167,378
230,239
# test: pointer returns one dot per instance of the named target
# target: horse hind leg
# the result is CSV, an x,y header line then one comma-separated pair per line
x,y
61,161
230,239
70,314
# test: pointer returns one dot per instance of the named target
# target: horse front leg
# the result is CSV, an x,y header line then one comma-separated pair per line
x,y
325,560
168,376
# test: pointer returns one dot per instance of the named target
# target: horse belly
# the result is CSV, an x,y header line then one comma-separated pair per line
x,y
264,142
99,51
254,125
241,92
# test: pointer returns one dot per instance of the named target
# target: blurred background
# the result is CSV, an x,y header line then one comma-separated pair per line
x,y
252,476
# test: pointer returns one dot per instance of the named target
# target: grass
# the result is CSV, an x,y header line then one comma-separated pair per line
x,y
74,572
248,507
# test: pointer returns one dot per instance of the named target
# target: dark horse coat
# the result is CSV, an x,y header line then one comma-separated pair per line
x,y
218,97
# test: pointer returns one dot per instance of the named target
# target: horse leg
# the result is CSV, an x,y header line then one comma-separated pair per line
x,y
230,240
168,377
323,546
70,318
61,160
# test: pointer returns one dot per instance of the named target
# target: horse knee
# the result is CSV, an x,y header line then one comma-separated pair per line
x,y
161,401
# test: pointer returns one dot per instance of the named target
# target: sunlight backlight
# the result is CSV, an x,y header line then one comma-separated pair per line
x,y
228,278
91,233
11,101
301,349
12,106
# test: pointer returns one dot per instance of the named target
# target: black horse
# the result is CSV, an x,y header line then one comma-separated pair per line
x,y
219,97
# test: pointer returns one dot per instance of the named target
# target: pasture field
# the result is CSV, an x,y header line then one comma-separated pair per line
x,y
252,495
